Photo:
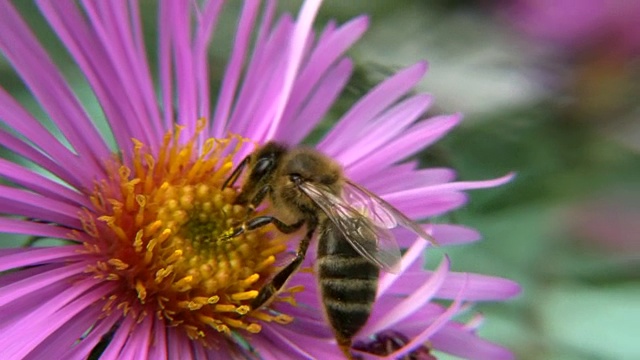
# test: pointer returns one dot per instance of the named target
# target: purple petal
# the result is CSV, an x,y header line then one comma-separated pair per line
x,y
478,287
287,340
48,86
202,38
19,202
416,300
331,45
119,339
432,329
234,67
452,186
414,253
385,128
139,341
41,323
15,312
15,258
67,335
428,206
414,139
317,105
178,19
26,227
40,184
14,291
261,83
447,234
88,343
295,52
399,177
179,344
22,122
159,348
112,23
376,101
34,155
456,341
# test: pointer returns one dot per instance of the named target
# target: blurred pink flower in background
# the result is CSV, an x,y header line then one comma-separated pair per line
x,y
580,25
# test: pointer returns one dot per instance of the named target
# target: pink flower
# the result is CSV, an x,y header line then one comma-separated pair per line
x,y
142,275
581,26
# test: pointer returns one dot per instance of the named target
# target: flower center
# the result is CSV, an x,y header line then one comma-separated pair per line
x,y
156,230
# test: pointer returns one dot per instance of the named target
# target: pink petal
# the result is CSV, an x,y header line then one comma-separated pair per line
x,y
48,86
41,323
139,341
234,67
15,258
261,84
416,300
411,141
27,151
202,38
318,104
26,227
478,287
452,339
404,176
415,252
82,350
296,50
432,329
16,290
119,339
40,184
385,128
112,23
41,141
159,348
447,234
67,335
376,101
19,202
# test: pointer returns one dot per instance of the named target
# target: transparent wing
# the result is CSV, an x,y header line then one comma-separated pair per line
x,y
381,212
375,243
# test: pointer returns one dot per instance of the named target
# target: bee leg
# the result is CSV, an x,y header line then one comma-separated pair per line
x,y
231,180
260,221
270,290
256,200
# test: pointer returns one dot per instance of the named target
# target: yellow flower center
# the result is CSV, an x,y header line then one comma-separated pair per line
x,y
156,229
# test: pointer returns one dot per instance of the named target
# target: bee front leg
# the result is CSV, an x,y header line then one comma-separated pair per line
x,y
260,221
231,180
272,288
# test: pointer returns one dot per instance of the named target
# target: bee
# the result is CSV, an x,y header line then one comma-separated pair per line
x,y
305,187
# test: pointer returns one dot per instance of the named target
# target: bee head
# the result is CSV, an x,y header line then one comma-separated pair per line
x,y
306,165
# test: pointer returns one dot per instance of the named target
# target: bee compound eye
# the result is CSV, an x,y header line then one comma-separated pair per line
x,y
262,166
295,178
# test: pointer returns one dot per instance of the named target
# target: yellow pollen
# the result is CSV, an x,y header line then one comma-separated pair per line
x,y
247,295
156,227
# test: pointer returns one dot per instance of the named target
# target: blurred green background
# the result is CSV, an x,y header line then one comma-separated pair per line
x,y
562,111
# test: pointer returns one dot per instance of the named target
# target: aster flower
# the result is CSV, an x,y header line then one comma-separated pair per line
x,y
142,275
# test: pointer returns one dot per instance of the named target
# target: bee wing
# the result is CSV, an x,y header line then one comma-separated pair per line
x,y
380,211
373,242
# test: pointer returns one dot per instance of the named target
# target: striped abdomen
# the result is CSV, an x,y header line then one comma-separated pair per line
x,y
348,284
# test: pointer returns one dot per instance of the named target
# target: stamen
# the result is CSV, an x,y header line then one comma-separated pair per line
x,y
156,228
